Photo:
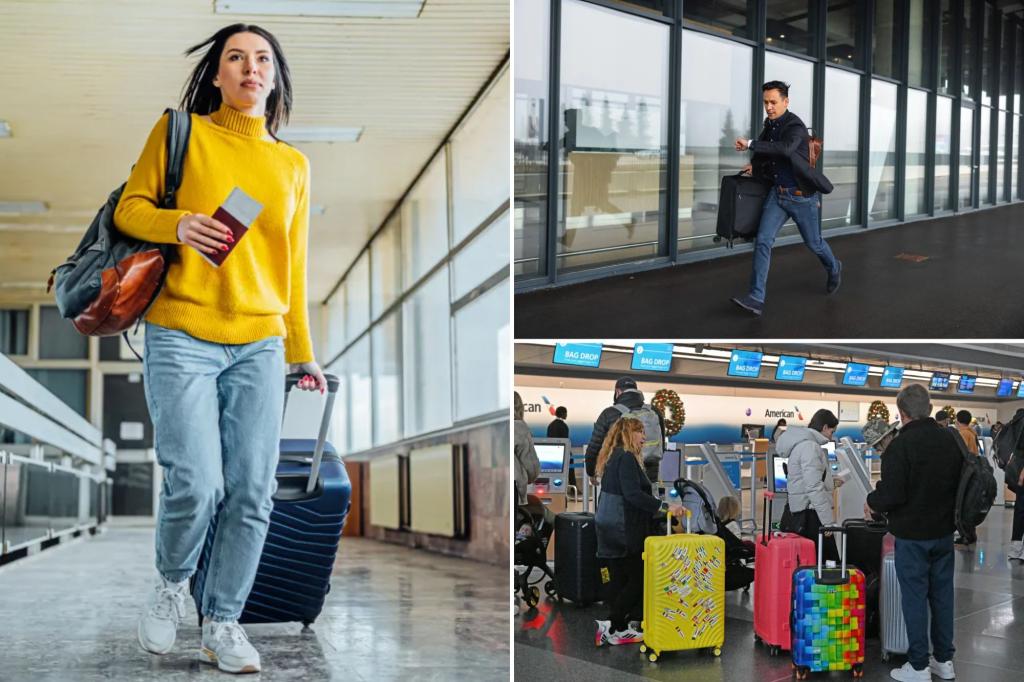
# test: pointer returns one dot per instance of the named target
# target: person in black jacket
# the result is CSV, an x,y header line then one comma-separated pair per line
x,y
781,158
559,429
917,492
627,395
624,517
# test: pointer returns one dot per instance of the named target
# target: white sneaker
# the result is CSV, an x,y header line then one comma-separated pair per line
x,y
1016,550
158,627
227,645
943,670
601,634
627,636
908,674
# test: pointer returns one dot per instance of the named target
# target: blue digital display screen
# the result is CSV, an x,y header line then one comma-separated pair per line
x,y
745,363
790,368
1020,389
856,374
940,381
1005,388
892,377
966,384
654,357
579,354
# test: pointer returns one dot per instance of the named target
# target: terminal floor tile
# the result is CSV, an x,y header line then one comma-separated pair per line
x,y
393,613
556,641
950,277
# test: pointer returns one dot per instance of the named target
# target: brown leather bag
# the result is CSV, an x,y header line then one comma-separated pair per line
x,y
814,150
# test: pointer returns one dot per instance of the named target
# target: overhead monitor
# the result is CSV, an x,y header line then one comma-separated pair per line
x,y
1005,388
791,368
940,381
892,377
856,374
579,354
1020,389
653,357
745,363
966,384
553,456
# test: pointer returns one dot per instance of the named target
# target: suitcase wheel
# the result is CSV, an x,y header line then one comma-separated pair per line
x,y
885,655
643,648
652,657
717,651
858,670
774,650
551,590
532,596
802,673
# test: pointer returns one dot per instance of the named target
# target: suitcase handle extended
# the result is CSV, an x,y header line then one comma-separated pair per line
x,y
769,499
668,526
821,540
290,381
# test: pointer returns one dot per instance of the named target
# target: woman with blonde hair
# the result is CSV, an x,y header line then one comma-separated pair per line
x,y
624,515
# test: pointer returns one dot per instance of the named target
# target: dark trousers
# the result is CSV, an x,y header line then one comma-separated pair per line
x,y
924,569
1018,518
811,525
625,593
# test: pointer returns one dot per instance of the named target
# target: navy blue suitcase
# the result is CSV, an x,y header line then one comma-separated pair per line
x,y
310,506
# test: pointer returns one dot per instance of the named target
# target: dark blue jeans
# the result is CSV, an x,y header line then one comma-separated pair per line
x,y
924,569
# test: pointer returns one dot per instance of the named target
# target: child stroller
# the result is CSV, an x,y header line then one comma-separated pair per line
x,y
696,498
530,551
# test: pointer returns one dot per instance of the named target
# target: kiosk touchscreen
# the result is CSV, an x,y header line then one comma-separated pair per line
x,y
553,454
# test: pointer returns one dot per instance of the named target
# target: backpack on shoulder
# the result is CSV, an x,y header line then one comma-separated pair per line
x,y
653,449
976,491
1007,441
111,280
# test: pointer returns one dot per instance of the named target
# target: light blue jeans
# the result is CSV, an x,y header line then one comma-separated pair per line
x,y
777,208
216,412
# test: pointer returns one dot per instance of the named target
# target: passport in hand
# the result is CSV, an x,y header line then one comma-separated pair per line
x,y
237,212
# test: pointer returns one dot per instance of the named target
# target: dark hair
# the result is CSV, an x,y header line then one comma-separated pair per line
x,y
561,412
821,419
783,88
781,422
964,417
941,415
202,97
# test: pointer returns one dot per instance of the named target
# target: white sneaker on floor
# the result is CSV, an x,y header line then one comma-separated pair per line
x,y
908,674
943,670
227,646
601,634
158,627
627,636
1016,550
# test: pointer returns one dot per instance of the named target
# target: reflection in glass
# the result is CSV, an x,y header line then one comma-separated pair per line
x,y
943,145
716,82
969,41
985,156
729,17
841,46
799,74
882,152
530,121
920,42
989,74
614,145
1005,84
841,143
947,30
1015,165
790,25
883,47
1001,151
966,190
917,114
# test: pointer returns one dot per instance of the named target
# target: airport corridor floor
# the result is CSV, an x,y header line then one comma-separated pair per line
x,y
556,641
393,613
895,280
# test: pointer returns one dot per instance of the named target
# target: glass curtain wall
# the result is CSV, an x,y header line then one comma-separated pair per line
x,y
917,148
967,169
882,160
946,81
985,156
841,148
919,24
943,153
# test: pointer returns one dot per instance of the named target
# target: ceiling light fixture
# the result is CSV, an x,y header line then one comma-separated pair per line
x,y
310,134
21,207
366,9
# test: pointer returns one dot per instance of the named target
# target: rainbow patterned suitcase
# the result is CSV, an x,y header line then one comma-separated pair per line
x,y
684,593
828,616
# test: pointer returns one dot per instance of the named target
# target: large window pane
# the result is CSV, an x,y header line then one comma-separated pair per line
x,y
729,17
338,433
841,143
1018,90
943,158
966,190
386,267
58,339
360,391
1016,159
800,76
387,381
530,117
426,357
791,25
716,83
917,114
335,311
843,33
882,164
883,43
481,258
985,156
989,72
14,332
947,33
613,157
919,46
1001,153
425,222
481,332
970,49
70,385
1007,49
357,302
479,166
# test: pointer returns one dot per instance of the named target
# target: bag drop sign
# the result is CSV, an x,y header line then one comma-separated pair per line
x,y
579,354
653,357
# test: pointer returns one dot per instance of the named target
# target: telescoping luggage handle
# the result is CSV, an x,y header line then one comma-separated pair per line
x,y
668,526
844,529
769,500
332,392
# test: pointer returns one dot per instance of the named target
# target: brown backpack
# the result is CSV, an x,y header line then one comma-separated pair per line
x,y
814,150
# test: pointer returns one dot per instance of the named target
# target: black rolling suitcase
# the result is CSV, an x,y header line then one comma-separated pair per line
x,y
310,506
864,550
577,570
740,202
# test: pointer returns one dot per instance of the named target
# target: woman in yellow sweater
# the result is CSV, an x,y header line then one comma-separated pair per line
x,y
218,338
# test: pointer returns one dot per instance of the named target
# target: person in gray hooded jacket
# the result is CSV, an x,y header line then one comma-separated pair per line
x,y
809,479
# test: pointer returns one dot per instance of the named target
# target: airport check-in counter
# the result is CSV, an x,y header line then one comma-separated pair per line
x,y
850,497
552,485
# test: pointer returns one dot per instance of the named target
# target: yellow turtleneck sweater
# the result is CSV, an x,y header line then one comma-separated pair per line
x,y
260,290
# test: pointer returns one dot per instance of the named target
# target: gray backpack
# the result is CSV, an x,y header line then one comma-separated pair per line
x,y
654,445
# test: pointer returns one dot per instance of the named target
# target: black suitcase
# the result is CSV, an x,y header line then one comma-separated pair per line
x,y
864,550
577,570
740,202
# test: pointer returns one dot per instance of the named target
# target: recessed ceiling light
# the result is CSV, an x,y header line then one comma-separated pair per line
x,y
5,129
19,207
371,9
318,134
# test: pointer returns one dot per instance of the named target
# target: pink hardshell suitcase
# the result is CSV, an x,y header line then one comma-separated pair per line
x,y
776,556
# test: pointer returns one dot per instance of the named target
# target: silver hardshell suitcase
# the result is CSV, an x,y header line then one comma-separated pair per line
x,y
893,628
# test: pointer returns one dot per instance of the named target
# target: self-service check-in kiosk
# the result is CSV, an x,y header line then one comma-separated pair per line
x,y
553,482
853,493
777,484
